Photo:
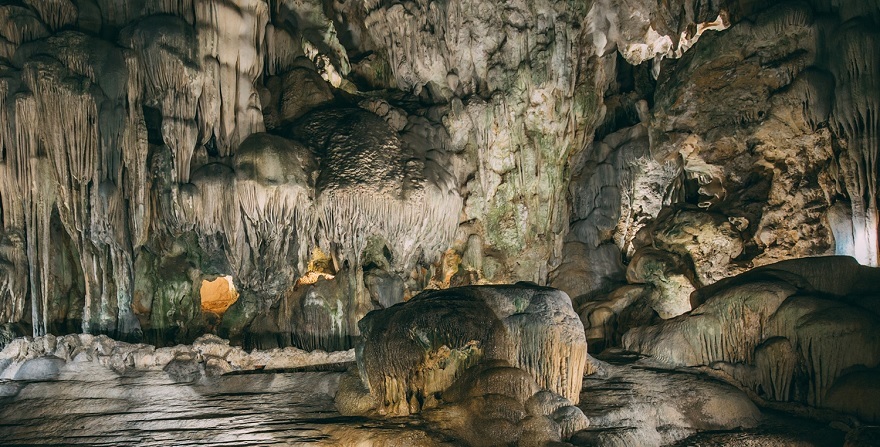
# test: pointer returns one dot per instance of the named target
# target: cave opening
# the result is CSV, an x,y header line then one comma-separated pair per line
x,y
218,295
320,266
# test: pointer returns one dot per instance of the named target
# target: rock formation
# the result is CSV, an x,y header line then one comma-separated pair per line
x,y
45,358
665,165
515,133
785,331
478,356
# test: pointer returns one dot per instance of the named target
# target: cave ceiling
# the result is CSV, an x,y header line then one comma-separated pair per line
x,y
334,157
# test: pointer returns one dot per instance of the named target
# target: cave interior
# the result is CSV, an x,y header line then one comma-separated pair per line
x,y
440,222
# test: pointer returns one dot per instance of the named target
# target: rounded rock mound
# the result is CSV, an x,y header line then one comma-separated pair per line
x,y
488,365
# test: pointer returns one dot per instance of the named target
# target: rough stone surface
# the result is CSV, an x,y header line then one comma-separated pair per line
x,y
46,357
637,404
414,350
671,284
490,365
550,132
783,335
339,157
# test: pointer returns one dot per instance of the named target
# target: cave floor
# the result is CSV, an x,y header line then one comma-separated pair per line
x,y
631,402
95,406
148,409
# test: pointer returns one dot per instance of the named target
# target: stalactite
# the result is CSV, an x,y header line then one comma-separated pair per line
x,y
135,150
82,114
274,197
13,276
231,39
118,14
316,37
371,184
282,50
856,117
726,328
815,88
209,205
11,197
170,70
55,13
180,8
19,25
66,115
36,184
13,245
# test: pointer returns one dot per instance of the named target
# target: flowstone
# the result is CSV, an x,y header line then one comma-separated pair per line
x,y
476,361
803,331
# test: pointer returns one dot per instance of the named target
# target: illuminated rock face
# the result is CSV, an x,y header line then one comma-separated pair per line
x,y
804,330
216,296
469,357
639,156
150,145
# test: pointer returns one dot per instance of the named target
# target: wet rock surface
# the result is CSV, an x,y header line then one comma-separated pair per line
x,y
329,159
98,407
785,331
636,404
628,403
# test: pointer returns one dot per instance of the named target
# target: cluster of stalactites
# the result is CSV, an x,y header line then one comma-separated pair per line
x,y
856,117
201,76
231,39
72,125
172,82
56,14
262,208
18,24
83,153
410,228
274,201
373,184
27,198
274,219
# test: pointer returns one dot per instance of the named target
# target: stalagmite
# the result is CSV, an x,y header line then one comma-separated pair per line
x,y
416,349
802,334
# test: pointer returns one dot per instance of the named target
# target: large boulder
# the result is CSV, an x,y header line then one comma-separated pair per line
x,y
474,355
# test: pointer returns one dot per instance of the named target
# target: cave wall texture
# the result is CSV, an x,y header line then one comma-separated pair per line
x,y
149,145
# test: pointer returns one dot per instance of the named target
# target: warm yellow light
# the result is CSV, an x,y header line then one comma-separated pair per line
x,y
320,266
218,295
